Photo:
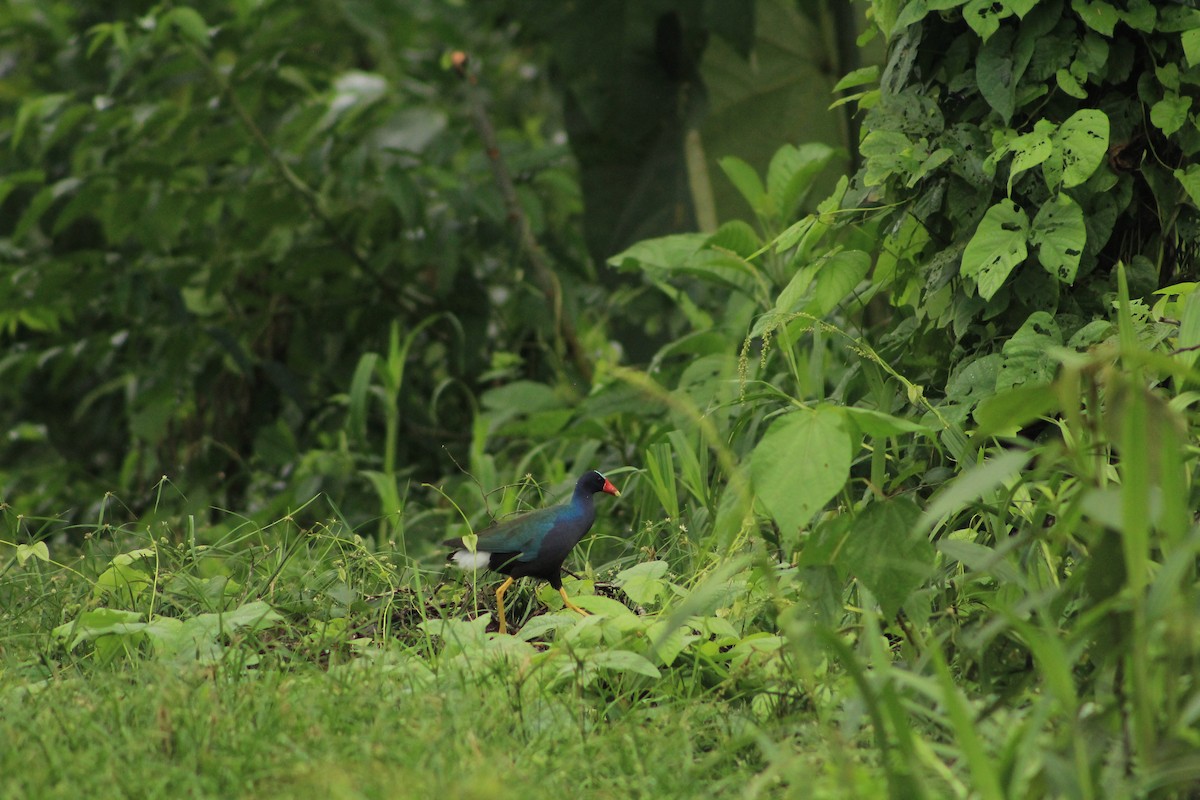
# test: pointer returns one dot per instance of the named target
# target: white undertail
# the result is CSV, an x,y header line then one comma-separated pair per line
x,y
465,559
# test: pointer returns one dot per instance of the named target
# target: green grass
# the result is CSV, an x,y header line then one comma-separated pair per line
x,y
349,732
353,686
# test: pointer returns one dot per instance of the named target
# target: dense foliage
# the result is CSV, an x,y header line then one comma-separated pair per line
x,y
907,456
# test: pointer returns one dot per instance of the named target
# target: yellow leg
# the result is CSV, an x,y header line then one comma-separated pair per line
x,y
500,603
569,604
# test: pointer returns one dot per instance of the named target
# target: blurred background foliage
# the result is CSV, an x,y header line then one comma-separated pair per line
x,y
209,213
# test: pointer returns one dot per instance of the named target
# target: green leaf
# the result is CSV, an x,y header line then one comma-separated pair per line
x,y
998,246
1191,46
37,550
791,173
996,74
886,552
189,23
859,77
1171,113
1030,149
643,583
667,643
981,558
598,604
975,379
665,253
974,484
743,176
1067,82
623,661
876,423
836,277
1080,144
1097,15
1006,412
802,462
984,16
99,622
1027,354
737,237
1190,178
360,386
1059,234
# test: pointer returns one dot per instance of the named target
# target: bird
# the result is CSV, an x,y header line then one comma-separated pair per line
x,y
534,544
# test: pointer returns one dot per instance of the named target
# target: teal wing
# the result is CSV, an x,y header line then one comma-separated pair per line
x,y
523,534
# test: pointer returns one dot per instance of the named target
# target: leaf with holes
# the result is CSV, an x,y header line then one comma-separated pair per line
x,y
984,16
999,245
1080,144
1026,356
1030,149
1059,234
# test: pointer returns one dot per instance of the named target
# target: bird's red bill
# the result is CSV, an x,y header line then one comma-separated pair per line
x,y
608,487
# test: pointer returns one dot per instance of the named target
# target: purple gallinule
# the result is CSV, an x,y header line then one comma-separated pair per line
x,y
535,544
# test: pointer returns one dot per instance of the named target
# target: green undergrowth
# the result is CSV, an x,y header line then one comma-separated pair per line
x,y
364,730
156,666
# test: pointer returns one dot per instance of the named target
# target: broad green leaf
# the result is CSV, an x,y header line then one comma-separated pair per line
x,y
802,462
666,253
1080,144
794,233
667,643
996,73
37,550
737,237
984,16
752,649
1097,15
1030,149
643,583
1139,15
743,176
858,77
1191,46
522,397
791,173
189,23
1171,113
1067,82
1190,178
886,552
598,604
1059,234
998,246
876,423
122,580
1028,355
99,622
974,380
836,277
1189,330
622,661
1006,412
887,153
724,269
